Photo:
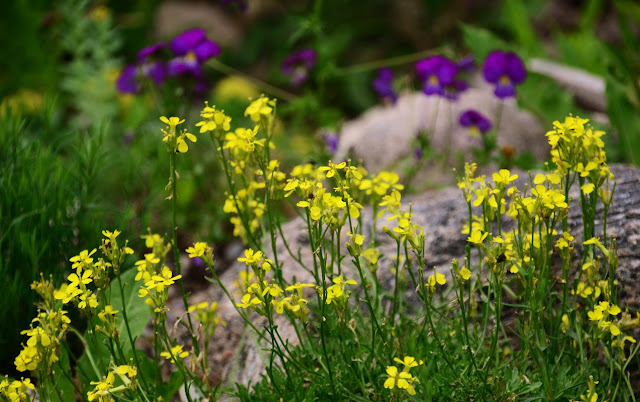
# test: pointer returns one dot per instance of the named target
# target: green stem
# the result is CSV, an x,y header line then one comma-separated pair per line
x,y
131,340
228,70
392,61
176,251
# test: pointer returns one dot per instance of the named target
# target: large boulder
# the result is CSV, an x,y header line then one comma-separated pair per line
x,y
235,353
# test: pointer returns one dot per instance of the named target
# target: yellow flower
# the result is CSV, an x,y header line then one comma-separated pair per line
x,y
504,177
198,249
465,273
262,106
129,371
436,278
176,352
83,259
102,388
172,122
587,188
477,237
75,281
400,380
357,238
108,311
565,323
408,362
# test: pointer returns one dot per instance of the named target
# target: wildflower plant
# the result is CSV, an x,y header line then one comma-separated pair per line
x,y
430,333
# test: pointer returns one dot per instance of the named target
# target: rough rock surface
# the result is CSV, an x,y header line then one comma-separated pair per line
x,y
235,355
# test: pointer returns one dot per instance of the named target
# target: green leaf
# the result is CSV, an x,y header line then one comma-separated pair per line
x,y
481,42
95,360
624,117
61,389
517,16
168,390
543,96
137,311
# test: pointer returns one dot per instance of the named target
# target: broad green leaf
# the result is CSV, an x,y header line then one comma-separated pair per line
x,y
481,42
137,311
624,117
95,360
61,389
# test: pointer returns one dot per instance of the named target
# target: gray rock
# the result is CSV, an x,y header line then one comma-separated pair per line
x,y
237,356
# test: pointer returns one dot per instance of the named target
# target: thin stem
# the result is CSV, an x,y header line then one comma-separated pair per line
x,y
228,70
131,340
392,61
176,251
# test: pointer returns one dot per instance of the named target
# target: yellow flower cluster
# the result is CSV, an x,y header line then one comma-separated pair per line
x,y
405,230
104,390
261,295
206,314
156,276
336,292
215,121
202,251
331,209
577,148
247,207
49,327
17,390
602,315
402,380
176,141
42,348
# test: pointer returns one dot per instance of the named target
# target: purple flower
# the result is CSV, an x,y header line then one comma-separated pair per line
x,y
467,63
332,141
505,70
383,84
192,48
298,64
417,153
127,81
438,75
475,122
156,70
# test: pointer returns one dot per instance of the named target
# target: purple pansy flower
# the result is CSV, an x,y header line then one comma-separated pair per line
x,y
438,75
383,84
505,70
156,70
192,48
475,122
298,64
127,80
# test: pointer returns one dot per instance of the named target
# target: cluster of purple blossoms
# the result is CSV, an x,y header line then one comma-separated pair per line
x,y
439,76
298,64
189,51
